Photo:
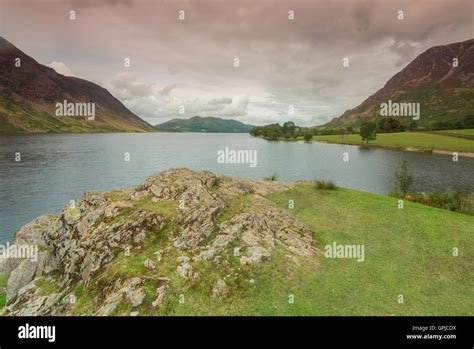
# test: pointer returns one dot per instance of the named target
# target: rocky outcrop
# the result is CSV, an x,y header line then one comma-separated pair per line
x,y
171,223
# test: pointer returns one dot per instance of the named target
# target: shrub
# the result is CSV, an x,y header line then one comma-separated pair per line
x,y
450,200
273,178
308,136
325,185
413,126
403,179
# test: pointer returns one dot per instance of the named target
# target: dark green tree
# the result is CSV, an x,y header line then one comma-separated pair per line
x,y
288,128
368,131
308,136
413,126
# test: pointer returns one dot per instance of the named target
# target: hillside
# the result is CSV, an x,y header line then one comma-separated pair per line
x,y
205,124
235,248
29,93
445,92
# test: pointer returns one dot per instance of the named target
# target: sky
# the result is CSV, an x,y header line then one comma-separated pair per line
x,y
290,53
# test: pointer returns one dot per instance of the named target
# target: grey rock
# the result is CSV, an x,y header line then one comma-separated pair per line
x,y
219,289
20,277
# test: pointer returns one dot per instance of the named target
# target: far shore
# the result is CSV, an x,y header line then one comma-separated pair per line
x,y
409,149
395,141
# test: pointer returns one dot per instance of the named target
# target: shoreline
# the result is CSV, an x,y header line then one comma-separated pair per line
x,y
409,149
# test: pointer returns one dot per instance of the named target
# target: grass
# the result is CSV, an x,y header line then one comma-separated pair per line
x,y
168,207
273,178
3,295
408,251
46,286
325,185
467,132
235,206
419,140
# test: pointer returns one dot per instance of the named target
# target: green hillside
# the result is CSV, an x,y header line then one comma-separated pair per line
x,y
16,117
205,124
436,105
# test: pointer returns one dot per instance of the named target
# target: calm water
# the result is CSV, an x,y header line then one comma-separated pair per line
x,y
57,168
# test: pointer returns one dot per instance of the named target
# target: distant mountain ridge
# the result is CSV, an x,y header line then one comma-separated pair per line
x,y
29,92
445,91
205,124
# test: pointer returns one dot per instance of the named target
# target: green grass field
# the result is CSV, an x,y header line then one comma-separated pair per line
x,y
467,132
420,140
3,296
408,252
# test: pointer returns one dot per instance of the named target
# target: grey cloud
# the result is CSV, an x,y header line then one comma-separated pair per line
x,y
128,87
167,89
222,100
282,62
101,3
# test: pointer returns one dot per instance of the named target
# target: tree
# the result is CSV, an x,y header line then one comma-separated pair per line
x,y
413,126
308,136
404,178
288,128
389,125
350,129
272,131
342,132
368,131
468,121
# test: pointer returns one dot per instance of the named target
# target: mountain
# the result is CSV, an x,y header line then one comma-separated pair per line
x,y
445,92
29,92
205,124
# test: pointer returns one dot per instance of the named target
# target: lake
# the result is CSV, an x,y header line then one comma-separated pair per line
x,y
56,168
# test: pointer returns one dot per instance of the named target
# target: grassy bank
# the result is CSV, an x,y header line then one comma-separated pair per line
x,y
407,251
467,132
3,295
463,133
419,140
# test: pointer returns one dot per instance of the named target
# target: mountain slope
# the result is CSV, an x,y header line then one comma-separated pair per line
x,y
29,93
445,92
205,124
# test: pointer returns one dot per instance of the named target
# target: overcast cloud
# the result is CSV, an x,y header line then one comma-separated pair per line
x,y
190,63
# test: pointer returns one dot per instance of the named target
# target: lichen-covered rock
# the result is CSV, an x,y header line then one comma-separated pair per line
x,y
21,276
160,295
209,224
220,289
